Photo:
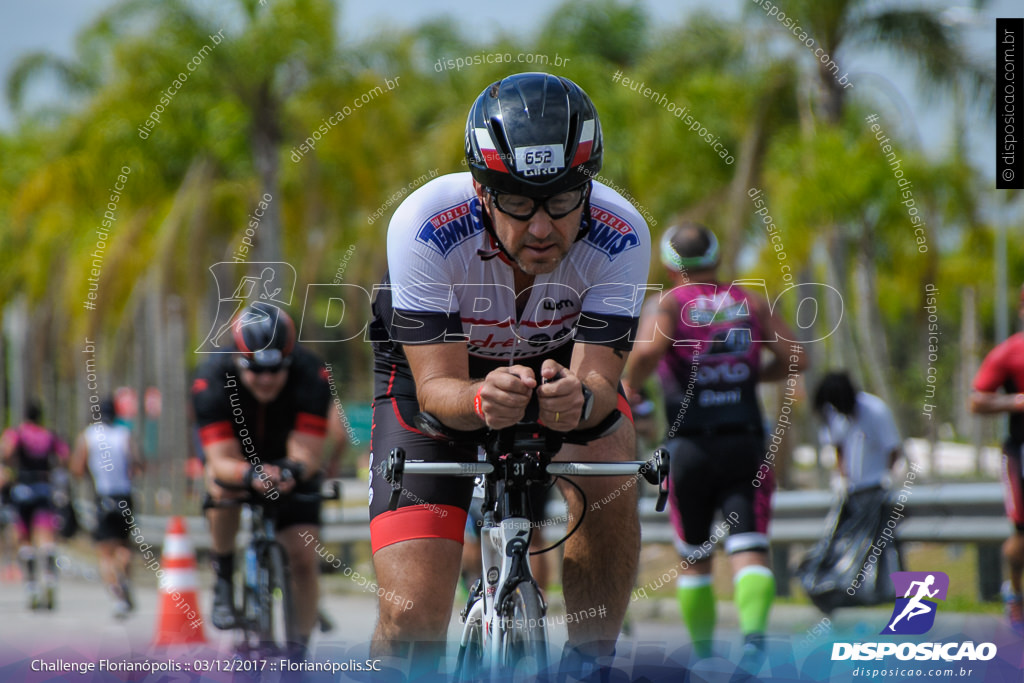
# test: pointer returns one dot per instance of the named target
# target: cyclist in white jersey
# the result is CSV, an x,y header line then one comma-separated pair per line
x,y
518,280
106,451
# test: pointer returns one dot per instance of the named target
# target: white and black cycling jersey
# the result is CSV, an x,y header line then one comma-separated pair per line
x,y
448,282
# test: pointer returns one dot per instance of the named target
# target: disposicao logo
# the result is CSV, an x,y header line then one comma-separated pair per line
x,y
914,614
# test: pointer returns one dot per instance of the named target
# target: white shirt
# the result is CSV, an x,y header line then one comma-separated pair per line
x,y
110,458
866,439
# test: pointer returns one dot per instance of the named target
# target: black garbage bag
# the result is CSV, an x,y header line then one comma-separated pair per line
x,y
850,567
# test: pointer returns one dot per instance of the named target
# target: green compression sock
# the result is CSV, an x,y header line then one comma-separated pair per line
x,y
697,603
755,591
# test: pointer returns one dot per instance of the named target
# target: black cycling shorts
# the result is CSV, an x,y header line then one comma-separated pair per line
x,y
430,506
724,473
1012,477
34,505
111,523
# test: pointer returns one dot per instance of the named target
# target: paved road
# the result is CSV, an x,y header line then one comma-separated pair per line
x,y
82,629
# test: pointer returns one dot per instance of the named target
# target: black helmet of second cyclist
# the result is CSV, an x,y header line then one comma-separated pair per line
x,y
533,134
265,337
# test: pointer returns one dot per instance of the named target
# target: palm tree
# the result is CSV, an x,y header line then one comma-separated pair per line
x,y
920,37
188,110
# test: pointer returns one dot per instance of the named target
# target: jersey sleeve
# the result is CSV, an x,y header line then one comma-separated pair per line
x,y
212,409
60,449
313,399
834,428
420,261
993,371
618,257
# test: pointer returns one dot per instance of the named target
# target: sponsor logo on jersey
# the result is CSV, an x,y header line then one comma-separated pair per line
x,y
552,305
721,313
493,342
733,373
447,229
610,234
199,385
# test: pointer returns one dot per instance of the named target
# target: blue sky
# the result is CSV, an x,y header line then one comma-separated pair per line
x,y
52,24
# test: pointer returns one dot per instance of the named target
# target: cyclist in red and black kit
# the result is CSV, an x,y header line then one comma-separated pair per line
x,y
512,282
1003,368
34,453
261,410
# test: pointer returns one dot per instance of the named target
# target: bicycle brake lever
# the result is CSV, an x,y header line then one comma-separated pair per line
x,y
334,491
659,505
651,471
393,472
661,458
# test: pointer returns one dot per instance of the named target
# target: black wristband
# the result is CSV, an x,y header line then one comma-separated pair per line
x,y
296,468
247,478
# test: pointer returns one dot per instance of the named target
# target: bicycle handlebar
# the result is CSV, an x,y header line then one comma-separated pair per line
x,y
525,437
254,497
521,439
576,468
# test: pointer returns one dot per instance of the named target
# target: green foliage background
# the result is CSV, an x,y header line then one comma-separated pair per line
x,y
227,136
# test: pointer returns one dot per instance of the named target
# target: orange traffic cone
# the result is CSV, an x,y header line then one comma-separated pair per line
x,y
178,619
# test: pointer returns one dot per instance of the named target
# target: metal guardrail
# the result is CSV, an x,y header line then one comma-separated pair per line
x,y
969,513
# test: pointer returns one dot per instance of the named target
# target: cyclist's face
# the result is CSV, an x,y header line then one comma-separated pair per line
x,y
539,243
265,386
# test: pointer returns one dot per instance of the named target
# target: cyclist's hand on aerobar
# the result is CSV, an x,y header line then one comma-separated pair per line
x,y
505,394
560,397
273,479
218,492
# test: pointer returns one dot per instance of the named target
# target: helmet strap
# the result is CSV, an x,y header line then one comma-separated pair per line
x,y
485,218
586,220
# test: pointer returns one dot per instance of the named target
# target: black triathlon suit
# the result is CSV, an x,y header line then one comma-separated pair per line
x,y
225,409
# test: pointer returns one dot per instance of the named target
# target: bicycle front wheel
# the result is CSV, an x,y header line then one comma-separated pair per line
x,y
524,638
469,664
277,620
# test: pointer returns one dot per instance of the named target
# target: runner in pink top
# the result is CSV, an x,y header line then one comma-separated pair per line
x,y
34,453
706,338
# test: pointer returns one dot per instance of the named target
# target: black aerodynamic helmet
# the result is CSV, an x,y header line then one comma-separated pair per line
x,y
264,336
533,134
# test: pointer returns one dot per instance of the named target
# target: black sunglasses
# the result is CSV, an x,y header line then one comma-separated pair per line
x,y
256,368
522,208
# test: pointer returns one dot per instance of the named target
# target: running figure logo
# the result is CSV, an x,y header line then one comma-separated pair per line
x,y
240,286
914,613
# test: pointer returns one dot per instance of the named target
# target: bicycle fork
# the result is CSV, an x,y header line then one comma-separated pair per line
x,y
505,552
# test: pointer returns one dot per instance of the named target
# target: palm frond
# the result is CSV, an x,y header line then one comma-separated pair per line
x,y
36,64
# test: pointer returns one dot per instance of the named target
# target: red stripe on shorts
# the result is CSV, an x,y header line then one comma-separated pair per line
x,y
417,521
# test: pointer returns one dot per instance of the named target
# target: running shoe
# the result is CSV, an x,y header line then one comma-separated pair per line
x,y
1014,609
